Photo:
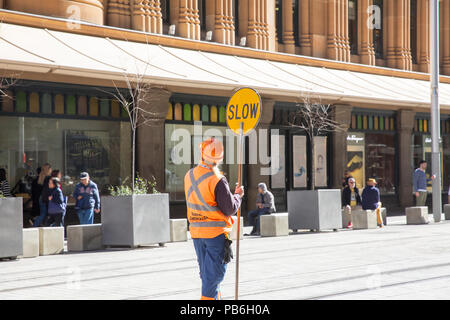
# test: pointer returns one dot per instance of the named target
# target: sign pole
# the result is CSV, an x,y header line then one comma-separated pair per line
x,y
238,231
435,112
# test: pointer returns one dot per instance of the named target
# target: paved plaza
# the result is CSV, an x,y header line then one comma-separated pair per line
x,y
397,262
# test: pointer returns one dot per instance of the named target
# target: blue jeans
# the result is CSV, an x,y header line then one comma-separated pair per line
x,y
210,255
86,216
42,213
253,217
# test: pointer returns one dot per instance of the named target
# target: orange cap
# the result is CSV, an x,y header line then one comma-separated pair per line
x,y
211,150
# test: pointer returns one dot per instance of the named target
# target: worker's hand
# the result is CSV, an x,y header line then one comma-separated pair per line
x,y
348,207
96,210
417,194
433,177
80,197
50,198
239,191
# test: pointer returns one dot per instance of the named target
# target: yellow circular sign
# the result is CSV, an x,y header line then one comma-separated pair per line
x,y
245,108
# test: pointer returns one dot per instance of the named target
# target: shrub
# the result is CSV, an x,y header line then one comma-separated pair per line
x,y
141,186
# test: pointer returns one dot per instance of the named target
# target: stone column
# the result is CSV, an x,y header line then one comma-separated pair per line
x,y
423,35
343,115
1,4
398,54
365,37
146,16
150,138
405,129
305,31
338,47
254,170
119,14
288,27
445,36
257,25
224,22
188,20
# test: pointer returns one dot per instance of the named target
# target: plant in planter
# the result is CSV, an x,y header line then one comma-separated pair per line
x,y
131,216
314,209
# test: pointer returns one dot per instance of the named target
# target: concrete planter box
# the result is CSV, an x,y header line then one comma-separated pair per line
x,y
364,219
136,220
30,243
11,228
274,225
51,240
315,209
178,230
417,215
86,237
447,211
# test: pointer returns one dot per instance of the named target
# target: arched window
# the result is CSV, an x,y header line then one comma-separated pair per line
x,y
413,32
378,28
353,25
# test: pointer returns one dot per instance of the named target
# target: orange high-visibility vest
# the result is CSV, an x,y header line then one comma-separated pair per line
x,y
205,218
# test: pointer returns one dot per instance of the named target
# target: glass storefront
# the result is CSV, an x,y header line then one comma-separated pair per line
x,y
102,148
74,128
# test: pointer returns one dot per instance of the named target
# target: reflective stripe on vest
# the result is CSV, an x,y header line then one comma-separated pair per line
x,y
195,184
209,224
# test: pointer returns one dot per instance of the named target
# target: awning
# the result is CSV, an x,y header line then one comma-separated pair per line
x,y
41,50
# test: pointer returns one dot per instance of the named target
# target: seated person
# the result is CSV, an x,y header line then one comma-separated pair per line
x,y
350,198
371,199
265,205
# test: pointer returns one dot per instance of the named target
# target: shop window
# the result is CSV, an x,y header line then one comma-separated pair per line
x,y
205,113
115,109
47,103
170,112
214,115
82,106
178,112
59,104
99,147
34,102
196,112
93,107
21,102
7,102
222,114
236,19
353,25
104,108
187,112
165,11
181,154
372,155
71,106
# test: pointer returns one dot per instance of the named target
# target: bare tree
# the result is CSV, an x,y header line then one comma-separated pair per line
x,y
137,99
315,118
6,83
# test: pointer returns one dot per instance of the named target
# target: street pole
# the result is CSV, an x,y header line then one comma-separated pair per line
x,y
238,231
435,112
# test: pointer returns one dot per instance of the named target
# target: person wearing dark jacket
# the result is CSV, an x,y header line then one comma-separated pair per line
x,y
41,184
265,203
87,199
56,204
350,199
371,196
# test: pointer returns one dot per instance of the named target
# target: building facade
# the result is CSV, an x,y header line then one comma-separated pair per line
x,y
368,59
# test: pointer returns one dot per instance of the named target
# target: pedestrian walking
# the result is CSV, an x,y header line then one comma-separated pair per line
x,y
5,190
56,204
351,199
210,205
420,182
265,203
42,184
87,199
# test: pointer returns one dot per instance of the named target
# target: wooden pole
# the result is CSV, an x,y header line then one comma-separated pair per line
x,y
241,144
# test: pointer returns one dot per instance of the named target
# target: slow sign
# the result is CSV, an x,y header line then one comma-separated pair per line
x,y
244,107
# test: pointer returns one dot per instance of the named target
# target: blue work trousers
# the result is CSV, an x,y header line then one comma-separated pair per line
x,y
210,257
